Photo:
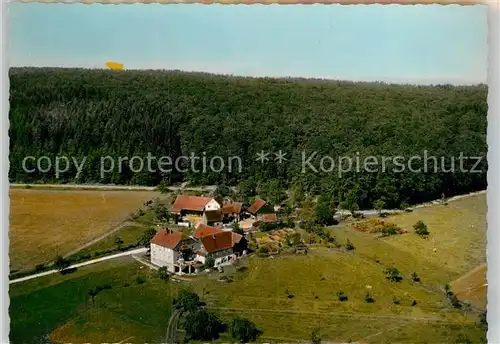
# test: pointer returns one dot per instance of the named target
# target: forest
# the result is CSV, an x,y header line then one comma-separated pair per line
x,y
97,113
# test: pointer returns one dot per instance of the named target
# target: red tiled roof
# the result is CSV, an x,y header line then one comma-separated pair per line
x,y
165,239
269,218
217,242
204,230
193,203
232,208
255,207
213,215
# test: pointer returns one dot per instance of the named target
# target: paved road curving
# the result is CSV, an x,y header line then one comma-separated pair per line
x,y
89,262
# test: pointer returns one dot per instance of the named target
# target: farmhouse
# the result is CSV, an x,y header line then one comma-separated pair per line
x,y
183,254
268,218
213,217
232,211
172,250
262,211
191,209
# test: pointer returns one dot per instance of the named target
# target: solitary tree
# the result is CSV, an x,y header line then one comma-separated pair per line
x,y
202,325
379,205
161,212
118,243
421,228
187,300
61,263
244,330
92,293
315,336
392,274
324,211
147,236
349,246
163,273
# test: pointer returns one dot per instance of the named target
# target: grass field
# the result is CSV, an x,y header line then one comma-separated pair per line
x,y
138,313
44,223
129,235
60,306
472,287
457,232
315,279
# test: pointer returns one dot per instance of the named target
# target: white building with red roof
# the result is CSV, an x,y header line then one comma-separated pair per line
x,y
194,204
192,210
183,254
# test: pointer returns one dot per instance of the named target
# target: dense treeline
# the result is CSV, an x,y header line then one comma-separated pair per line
x,y
98,113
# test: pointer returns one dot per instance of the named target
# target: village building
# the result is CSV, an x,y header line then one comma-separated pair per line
x,y
183,254
238,242
268,218
213,217
173,250
190,210
260,210
232,211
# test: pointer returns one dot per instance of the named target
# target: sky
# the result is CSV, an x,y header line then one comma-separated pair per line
x,y
420,44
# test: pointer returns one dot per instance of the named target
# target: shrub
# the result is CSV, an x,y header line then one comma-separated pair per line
x,y
341,296
102,287
163,186
415,277
263,250
483,320
244,330
61,263
209,262
461,339
140,280
315,336
395,301
147,236
369,298
349,246
393,275
404,206
40,268
163,273
202,325
421,228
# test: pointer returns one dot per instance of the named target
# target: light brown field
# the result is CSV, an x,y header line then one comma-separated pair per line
x,y
472,287
44,223
457,233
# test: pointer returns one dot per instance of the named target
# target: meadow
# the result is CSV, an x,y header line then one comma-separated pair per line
x,y
457,233
59,306
44,223
287,296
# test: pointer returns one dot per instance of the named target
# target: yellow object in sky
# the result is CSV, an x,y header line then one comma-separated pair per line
x,y
114,65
